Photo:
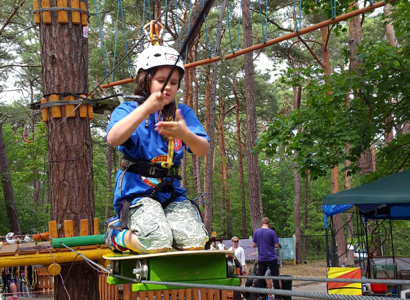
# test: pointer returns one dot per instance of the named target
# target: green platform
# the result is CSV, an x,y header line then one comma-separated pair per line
x,y
205,268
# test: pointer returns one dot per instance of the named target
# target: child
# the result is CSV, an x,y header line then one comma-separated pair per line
x,y
155,214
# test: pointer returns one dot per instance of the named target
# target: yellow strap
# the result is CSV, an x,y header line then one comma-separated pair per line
x,y
170,156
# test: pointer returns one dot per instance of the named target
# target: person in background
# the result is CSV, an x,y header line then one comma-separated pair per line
x,y
254,282
266,240
239,254
221,246
212,246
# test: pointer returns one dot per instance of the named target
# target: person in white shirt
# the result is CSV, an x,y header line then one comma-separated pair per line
x,y
221,246
239,254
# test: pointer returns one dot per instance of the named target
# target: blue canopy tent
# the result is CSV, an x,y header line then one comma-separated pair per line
x,y
386,198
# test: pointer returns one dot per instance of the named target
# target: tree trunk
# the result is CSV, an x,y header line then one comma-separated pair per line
x,y
36,181
340,237
255,197
224,170
240,160
211,133
355,38
196,163
7,186
64,57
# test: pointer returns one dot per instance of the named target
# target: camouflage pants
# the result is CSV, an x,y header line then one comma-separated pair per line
x,y
179,225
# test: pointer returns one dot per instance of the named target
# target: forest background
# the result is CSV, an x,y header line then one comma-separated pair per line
x,y
336,114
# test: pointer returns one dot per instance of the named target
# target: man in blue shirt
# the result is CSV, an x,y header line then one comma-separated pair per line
x,y
266,240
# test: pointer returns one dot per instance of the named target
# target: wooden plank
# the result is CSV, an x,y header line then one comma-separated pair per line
x,y
174,294
27,248
188,294
126,292
150,295
83,227
8,250
135,296
196,294
68,228
52,229
95,227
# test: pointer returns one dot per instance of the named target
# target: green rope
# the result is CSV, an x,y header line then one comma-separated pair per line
x,y
189,25
298,20
239,26
101,39
116,38
125,39
333,8
219,29
206,33
260,13
229,28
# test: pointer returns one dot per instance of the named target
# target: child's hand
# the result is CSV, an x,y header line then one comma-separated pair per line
x,y
154,103
176,130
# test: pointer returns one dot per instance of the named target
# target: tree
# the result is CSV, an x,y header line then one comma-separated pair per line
x,y
64,58
7,184
255,199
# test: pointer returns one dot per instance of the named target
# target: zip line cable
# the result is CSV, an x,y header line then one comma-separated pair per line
x,y
116,38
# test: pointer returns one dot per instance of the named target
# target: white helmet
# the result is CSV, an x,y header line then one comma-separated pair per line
x,y
156,56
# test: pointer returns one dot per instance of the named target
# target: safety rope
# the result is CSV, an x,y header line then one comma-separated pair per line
x,y
333,8
125,38
165,21
170,155
178,27
116,38
206,33
298,20
143,22
101,39
264,36
219,29
229,28
189,25
239,26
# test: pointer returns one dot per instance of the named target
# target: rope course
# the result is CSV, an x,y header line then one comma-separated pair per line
x,y
275,40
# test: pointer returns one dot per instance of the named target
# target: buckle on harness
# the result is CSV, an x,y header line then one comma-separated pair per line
x,y
151,170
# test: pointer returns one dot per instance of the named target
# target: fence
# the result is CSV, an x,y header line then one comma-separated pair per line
x,y
124,292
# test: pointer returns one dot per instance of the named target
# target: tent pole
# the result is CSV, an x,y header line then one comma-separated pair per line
x,y
368,252
358,236
391,234
327,246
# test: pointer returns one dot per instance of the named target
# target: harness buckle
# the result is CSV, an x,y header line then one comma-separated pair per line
x,y
151,170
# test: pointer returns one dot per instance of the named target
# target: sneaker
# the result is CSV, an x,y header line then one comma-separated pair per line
x,y
112,228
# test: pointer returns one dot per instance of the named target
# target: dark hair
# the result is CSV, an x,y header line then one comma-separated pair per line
x,y
143,80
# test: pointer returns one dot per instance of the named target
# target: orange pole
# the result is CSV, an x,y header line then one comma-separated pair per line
x,y
119,82
308,29
202,62
273,41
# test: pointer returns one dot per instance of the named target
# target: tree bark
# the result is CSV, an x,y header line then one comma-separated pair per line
x,y
355,39
255,197
240,159
305,215
7,186
64,57
226,200
340,237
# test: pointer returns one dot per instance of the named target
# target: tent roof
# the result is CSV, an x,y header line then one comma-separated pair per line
x,y
391,189
388,197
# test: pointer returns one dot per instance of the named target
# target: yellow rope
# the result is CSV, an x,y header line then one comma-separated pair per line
x,y
170,156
